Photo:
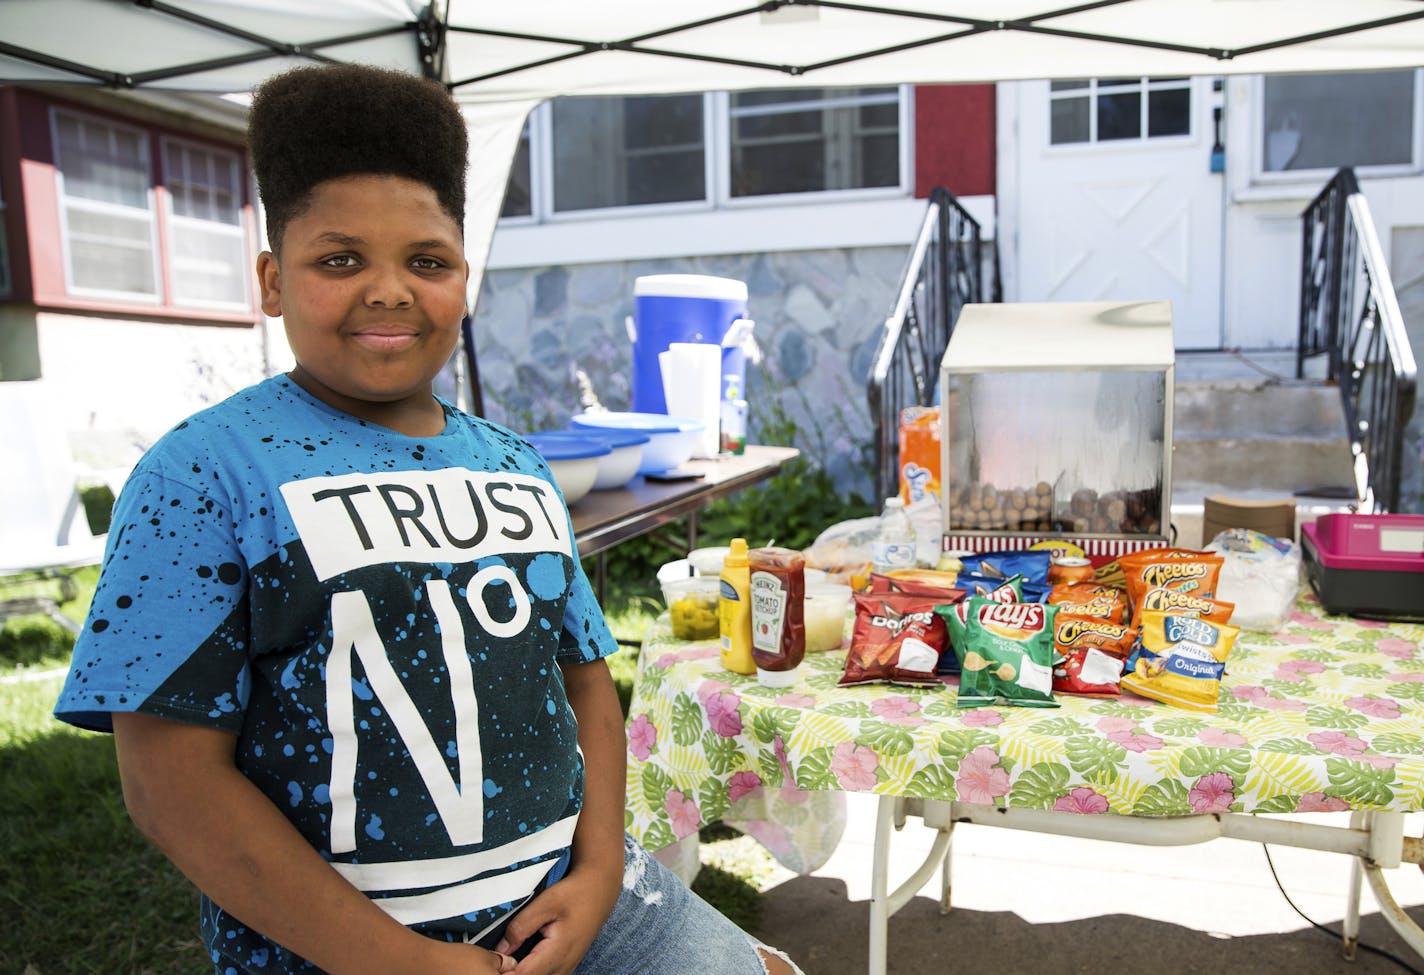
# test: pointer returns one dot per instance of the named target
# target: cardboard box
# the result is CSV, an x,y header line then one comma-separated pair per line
x,y
1274,517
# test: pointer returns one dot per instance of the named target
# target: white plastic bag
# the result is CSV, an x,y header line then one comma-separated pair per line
x,y
1260,574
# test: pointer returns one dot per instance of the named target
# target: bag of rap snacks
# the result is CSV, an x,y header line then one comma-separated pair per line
x,y
955,618
1009,655
898,639
1181,570
1179,660
1033,566
1090,599
1090,654
1184,604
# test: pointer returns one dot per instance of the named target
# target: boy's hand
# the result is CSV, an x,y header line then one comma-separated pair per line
x,y
453,958
567,916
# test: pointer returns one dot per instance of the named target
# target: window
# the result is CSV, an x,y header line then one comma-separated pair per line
x,y
207,247
149,217
1324,122
814,140
1118,109
704,149
106,213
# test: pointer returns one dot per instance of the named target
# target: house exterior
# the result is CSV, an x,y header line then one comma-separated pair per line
x,y
125,218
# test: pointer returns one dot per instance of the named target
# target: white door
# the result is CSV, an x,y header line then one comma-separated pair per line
x,y
1114,197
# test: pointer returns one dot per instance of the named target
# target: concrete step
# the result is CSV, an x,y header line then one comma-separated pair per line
x,y
1252,409
1286,464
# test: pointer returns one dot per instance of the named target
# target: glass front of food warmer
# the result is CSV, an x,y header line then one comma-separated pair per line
x,y
1057,452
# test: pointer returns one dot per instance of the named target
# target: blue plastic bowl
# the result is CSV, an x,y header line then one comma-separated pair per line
x,y
671,439
573,458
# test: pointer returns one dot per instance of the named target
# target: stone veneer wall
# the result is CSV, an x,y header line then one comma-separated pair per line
x,y
818,317
1407,269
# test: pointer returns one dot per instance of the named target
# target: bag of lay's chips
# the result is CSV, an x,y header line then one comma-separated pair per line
x,y
955,618
1179,660
898,639
1089,599
1091,653
1032,565
1008,655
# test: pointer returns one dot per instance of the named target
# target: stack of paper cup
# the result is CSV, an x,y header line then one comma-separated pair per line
x,y
692,384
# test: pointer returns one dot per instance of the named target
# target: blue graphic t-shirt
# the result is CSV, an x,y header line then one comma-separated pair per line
x,y
379,620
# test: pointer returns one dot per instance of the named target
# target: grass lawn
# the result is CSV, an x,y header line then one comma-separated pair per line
x,y
82,892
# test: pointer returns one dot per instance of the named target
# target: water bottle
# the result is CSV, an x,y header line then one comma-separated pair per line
x,y
894,545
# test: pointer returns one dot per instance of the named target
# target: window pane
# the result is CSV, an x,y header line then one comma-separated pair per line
x,y
209,265
627,151
1329,121
1169,112
517,199
102,163
812,140
1068,120
203,184
1066,85
110,251
1119,116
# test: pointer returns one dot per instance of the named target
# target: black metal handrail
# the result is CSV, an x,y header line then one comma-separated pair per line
x,y
1350,315
944,273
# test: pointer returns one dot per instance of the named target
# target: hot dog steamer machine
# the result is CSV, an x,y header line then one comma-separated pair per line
x,y
1056,424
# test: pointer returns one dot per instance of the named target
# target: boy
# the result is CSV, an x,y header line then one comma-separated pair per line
x,y
352,666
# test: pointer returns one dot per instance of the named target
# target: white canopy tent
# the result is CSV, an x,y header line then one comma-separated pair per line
x,y
501,59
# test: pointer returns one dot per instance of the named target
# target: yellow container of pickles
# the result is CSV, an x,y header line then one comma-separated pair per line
x,y
692,607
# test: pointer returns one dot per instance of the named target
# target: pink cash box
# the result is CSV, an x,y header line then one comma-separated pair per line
x,y
1366,564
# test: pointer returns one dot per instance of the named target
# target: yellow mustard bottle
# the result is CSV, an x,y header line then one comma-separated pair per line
x,y
734,610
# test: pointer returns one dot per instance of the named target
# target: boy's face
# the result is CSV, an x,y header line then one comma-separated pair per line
x,y
371,289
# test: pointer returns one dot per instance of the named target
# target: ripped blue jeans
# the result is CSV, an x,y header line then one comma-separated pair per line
x,y
659,927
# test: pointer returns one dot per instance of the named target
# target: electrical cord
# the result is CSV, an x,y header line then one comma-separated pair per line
x,y
1334,934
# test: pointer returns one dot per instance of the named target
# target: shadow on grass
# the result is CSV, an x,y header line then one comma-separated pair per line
x,y
80,890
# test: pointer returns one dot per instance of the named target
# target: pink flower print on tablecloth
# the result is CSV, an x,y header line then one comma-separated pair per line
x,y
1407,678
898,710
979,779
1213,793
1115,725
1136,741
1375,707
1298,669
683,813
742,784
642,737
1397,647
1260,697
1320,802
795,700
1337,743
854,766
1221,738
722,714
790,791
666,660
1378,761
1308,621
982,718
1083,801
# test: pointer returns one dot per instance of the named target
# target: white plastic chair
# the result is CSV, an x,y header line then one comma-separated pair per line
x,y
43,527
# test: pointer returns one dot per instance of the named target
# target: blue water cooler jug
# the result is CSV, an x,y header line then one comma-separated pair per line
x,y
670,308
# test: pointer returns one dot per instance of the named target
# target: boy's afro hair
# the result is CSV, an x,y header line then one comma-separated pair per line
x,y
311,124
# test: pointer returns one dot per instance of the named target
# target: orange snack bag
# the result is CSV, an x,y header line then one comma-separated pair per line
x,y
1090,653
1090,599
1182,604
1181,570
919,453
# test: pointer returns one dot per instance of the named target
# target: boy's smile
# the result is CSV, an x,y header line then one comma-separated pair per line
x,y
371,287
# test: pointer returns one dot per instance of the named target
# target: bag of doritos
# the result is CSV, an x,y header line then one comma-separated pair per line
x,y
898,638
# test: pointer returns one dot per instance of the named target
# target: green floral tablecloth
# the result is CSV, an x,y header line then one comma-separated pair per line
x,y
1327,714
